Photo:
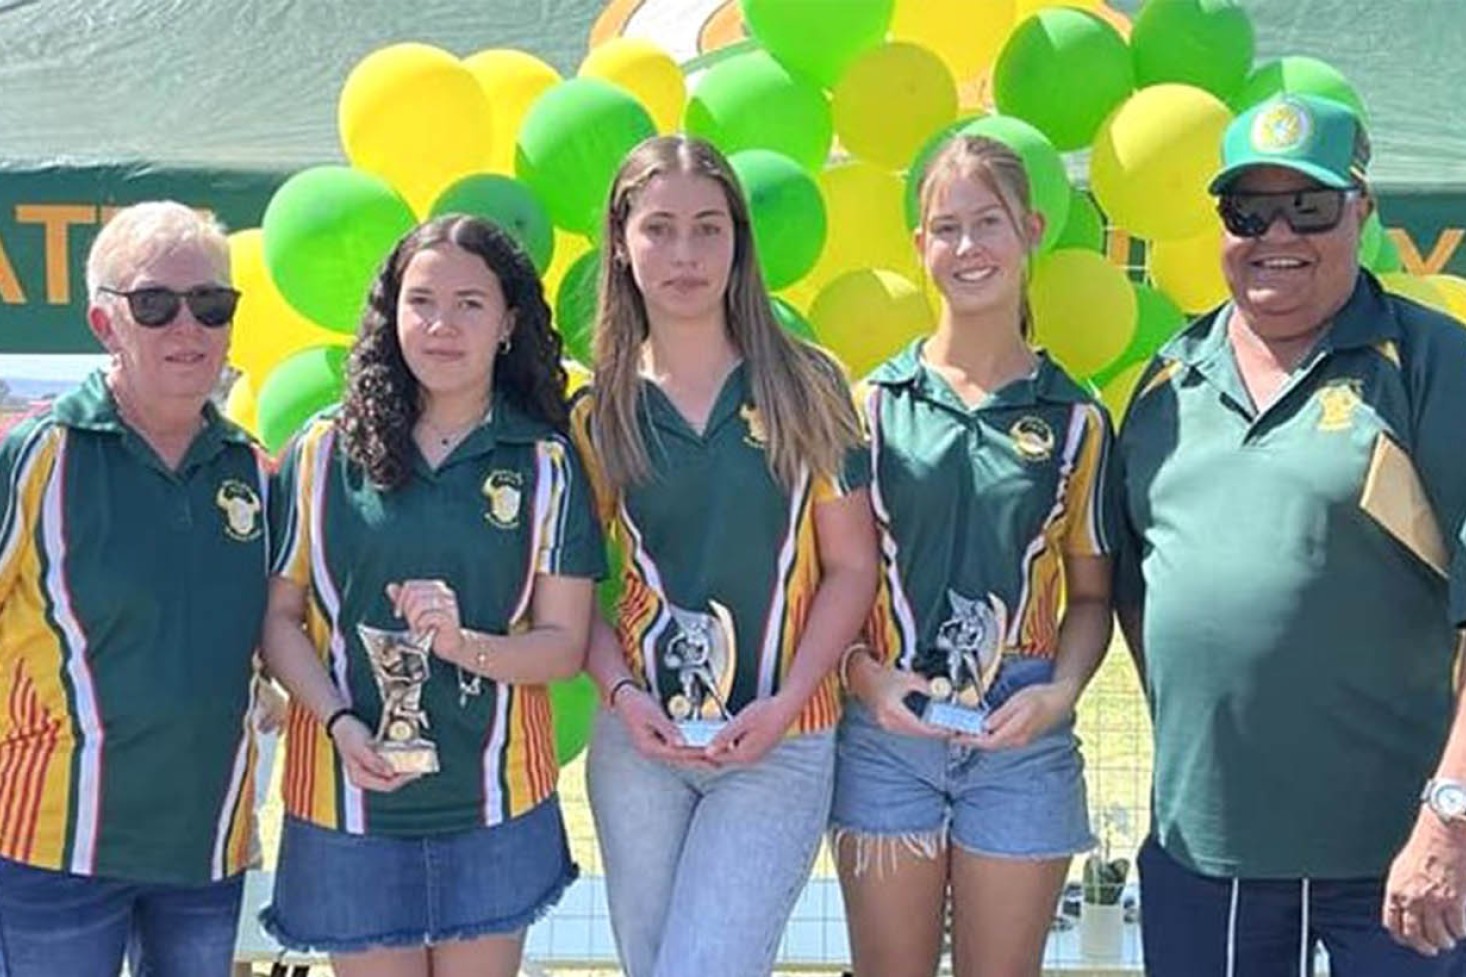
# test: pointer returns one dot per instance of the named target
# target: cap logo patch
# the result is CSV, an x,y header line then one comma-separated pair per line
x,y
1282,128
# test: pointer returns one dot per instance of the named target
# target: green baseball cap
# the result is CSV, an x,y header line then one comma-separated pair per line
x,y
1315,136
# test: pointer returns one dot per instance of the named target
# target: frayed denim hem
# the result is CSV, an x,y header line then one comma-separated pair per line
x,y
270,920
874,849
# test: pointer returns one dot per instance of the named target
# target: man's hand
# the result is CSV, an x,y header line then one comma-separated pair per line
x,y
1425,895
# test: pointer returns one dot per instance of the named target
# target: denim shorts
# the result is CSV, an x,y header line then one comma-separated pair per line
x,y
54,923
345,893
1025,802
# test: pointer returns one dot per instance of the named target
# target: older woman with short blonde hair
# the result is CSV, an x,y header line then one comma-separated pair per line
x,y
132,586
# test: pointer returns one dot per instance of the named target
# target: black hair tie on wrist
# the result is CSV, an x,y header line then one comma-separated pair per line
x,y
341,713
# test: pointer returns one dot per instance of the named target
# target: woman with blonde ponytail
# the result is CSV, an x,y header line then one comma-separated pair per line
x,y
958,775
730,467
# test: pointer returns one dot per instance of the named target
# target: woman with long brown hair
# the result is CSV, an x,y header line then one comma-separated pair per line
x,y
729,465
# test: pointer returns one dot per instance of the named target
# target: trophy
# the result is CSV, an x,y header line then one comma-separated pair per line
x,y
702,654
400,666
970,640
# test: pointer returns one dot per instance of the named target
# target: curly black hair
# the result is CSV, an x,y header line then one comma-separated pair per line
x,y
381,402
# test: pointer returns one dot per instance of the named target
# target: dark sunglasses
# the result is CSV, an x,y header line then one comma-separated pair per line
x,y
1306,211
155,306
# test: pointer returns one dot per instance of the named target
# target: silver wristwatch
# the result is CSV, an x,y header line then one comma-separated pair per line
x,y
1447,798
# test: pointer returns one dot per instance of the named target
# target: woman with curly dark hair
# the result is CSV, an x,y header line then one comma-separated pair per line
x,y
434,569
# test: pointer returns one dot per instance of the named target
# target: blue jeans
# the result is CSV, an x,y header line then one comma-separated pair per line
x,y
1196,924
703,866
55,923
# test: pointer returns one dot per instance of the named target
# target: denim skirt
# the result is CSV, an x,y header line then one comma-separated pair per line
x,y
345,893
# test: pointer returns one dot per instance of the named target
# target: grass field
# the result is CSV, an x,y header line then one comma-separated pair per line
x,y
1112,725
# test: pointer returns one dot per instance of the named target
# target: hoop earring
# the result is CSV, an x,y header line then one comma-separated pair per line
x,y
506,343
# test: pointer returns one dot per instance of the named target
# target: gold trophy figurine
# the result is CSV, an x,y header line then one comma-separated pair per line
x,y
400,666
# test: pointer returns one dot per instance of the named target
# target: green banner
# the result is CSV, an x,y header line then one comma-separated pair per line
x,y
50,213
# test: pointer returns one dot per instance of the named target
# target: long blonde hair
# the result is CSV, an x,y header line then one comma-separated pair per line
x,y
798,389
1001,170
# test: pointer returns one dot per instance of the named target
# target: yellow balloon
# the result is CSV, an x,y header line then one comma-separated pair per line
x,y
1153,158
864,316
568,249
867,229
1189,270
1024,9
890,101
1084,309
576,374
240,406
646,71
414,115
1453,290
1116,394
1422,290
967,37
511,80
266,328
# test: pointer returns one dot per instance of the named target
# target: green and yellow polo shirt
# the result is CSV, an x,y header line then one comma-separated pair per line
x,y
1298,654
977,508
712,543
131,597
508,504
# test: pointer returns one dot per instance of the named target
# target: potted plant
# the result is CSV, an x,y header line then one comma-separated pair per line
x,y
1102,915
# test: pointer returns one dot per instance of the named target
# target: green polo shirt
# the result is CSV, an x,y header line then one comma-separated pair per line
x,y
1458,580
131,597
1298,655
977,508
714,546
508,504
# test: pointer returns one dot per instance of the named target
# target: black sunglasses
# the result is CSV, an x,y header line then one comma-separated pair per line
x,y
155,306
1306,211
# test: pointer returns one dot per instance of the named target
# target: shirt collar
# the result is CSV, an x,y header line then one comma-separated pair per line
x,y
1047,382
91,407
1366,319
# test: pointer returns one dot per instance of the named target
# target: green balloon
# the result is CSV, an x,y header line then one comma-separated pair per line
x,y
1302,75
1370,236
575,306
1387,257
813,37
570,145
787,212
793,323
298,388
1206,43
751,101
326,231
1085,227
1157,319
572,710
1064,71
1048,182
507,203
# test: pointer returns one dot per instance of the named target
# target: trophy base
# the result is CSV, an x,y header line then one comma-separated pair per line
x,y
699,732
410,757
959,719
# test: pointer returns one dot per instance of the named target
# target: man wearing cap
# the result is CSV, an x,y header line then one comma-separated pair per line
x,y
1294,469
